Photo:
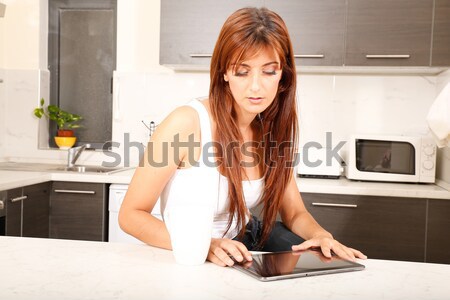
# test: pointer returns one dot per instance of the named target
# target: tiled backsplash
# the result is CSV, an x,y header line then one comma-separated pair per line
x,y
341,104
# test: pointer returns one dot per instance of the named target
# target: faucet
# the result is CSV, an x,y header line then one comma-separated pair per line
x,y
74,153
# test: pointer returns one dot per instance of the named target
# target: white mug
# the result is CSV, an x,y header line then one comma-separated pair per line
x,y
190,229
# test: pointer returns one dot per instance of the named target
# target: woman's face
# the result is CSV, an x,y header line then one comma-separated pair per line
x,y
254,83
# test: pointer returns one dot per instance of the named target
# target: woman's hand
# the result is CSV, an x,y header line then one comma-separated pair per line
x,y
327,245
221,249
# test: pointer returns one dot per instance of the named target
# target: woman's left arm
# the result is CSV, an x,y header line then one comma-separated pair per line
x,y
295,216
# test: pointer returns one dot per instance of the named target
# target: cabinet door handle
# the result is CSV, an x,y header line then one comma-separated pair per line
x,y
309,56
200,55
334,205
19,198
388,56
2,204
74,192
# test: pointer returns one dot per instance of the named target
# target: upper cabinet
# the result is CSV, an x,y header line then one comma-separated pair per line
x,y
317,29
324,33
441,34
389,33
189,29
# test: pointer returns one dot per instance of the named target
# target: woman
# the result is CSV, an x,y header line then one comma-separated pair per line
x,y
250,118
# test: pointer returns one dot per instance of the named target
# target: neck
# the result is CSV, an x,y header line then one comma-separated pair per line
x,y
244,122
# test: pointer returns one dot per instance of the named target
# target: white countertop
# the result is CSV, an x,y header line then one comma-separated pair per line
x,y
64,269
13,179
350,187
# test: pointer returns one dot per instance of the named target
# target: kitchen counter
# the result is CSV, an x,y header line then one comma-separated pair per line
x,y
13,179
350,187
64,269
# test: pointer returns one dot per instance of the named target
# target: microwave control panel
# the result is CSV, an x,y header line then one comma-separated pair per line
x,y
428,162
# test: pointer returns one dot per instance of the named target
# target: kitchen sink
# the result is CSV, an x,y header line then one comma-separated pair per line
x,y
37,167
90,169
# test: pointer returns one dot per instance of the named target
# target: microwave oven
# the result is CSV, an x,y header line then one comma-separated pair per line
x,y
391,158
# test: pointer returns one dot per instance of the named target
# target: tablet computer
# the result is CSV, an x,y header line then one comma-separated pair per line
x,y
293,264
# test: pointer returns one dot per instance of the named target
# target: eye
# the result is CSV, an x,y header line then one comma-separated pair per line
x,y
241,71
270,72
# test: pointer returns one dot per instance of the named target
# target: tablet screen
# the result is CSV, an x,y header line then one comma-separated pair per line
x,y
281,265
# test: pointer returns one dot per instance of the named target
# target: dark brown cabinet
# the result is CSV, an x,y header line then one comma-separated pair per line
x,y
441,34
381,227
14,212
2,212
189,29
78,211
317,29
324,33
27,211
438,243
389,33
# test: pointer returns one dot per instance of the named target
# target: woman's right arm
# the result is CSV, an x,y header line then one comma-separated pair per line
x,y
149,179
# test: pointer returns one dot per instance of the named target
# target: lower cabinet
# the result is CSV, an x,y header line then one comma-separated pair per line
x,y
27,211
438,243
381,227
78,211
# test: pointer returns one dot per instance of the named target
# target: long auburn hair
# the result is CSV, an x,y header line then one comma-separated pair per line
x,y
243,35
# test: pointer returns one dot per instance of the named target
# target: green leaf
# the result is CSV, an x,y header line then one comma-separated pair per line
x,y
53,109
63,119
38,112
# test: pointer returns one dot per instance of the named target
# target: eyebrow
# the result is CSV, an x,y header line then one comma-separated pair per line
x,y
266,64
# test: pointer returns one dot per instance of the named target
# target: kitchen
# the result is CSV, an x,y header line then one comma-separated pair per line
x,y
336,99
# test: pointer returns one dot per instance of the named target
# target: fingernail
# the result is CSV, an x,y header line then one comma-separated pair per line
x,y
249,257
239,258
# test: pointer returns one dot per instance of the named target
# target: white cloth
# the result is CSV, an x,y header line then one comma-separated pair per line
x,y
204,183
438,118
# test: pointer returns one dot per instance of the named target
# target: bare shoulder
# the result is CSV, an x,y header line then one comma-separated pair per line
x,y
183,120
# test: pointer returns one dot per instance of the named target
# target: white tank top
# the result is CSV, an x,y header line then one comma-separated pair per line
x,y
204,180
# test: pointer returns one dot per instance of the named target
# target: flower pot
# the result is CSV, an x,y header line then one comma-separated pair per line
x,y
65,143
65,132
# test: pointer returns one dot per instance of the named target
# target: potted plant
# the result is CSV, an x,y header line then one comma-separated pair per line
x,y
65,122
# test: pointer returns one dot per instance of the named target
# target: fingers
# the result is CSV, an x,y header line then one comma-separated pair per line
x,y
326,250
244,251
344,252
214,259
306,245
223,257
221,249
328,246
358,254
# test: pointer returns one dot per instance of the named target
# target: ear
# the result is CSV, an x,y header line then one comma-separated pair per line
x,y
225,77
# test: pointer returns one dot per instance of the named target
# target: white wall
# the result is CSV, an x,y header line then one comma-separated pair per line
x,y
21,34
146,91
443,170
2,109
138,35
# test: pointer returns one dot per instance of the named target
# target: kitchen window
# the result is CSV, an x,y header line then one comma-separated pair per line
x,y
82,58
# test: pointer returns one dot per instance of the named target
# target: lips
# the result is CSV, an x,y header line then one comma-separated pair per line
x,y
255,100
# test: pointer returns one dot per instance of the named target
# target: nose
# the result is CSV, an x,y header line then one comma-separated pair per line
x,y
256,82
